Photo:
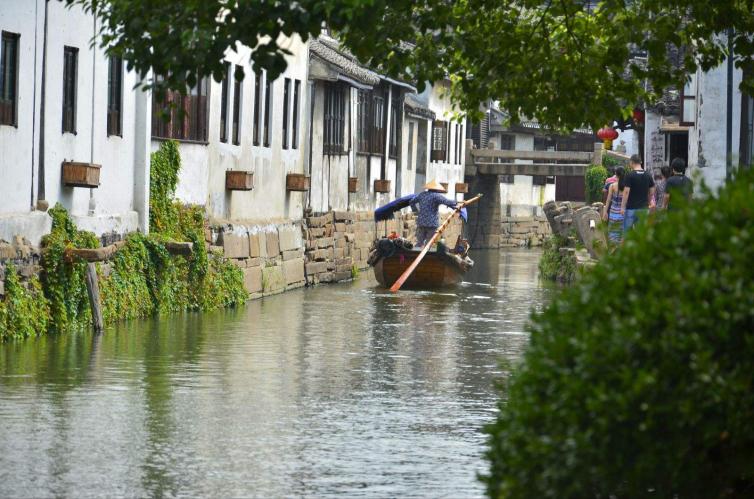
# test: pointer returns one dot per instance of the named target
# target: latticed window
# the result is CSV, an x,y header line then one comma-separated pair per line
x,y
268,87
439,141
377,141
9,78
294,132
258,82
181,116
115,96
286,108
334,119
70,77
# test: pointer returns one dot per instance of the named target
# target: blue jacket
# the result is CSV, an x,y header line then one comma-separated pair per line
x,y
428,203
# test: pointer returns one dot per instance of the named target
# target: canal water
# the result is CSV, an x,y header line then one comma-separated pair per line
x,y
342,390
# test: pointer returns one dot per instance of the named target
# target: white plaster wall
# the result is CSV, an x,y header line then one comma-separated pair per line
x,y
111,206
707,140
631,139
18,144
329,173
445,171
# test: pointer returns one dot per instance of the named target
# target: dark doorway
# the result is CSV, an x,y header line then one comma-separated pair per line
x,y
569,189
678,146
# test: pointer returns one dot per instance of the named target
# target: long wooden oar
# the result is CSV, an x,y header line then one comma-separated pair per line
x,y
402,279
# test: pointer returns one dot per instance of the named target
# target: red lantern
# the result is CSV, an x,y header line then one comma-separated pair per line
x,y
638,115
608,135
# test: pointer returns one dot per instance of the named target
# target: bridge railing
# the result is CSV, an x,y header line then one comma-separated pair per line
x,y
557,163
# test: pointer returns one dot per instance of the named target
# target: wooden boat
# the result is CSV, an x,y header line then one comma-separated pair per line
x,y
436,270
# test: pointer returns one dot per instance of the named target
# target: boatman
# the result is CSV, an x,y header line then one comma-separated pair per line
x,y
428,203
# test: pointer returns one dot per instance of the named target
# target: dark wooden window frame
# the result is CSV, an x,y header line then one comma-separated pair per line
x,y
334,119
296,105
258,82
115,96
286,109
187,114
9,48
396,105
236,119
439,142
224,93
268,100
685,98
70,83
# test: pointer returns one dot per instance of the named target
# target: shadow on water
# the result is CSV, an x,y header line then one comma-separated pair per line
x,y
336,390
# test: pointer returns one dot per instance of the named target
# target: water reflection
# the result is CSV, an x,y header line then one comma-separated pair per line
x,y
339,390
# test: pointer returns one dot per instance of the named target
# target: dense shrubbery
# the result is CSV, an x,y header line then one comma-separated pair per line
x,y
594,182
555,266
640,378
144,277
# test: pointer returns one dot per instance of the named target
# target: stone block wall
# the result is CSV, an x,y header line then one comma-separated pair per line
x,y
524,231
22,255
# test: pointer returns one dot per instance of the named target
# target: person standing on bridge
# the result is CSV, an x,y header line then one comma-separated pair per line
x,y
427,204
638,190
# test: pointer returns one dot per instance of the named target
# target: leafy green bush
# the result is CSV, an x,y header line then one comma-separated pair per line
x,y
594,183
553,265
639,378
23,312
611,162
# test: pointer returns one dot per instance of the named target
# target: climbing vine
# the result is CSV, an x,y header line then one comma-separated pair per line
x,y
141,279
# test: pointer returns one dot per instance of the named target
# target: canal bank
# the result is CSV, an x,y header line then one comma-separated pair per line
x,y
336,390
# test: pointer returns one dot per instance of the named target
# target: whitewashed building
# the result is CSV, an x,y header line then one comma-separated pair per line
x,y
693,124
62,101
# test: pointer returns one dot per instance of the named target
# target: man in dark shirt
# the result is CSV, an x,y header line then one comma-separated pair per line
x,y
638,189
678,186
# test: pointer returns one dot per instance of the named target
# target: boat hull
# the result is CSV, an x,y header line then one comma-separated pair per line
x,y
436,270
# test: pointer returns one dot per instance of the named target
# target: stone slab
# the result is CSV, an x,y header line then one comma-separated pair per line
x,y
293,271
316,267
254,245
272,243
252,280
342,276
273,280
235,246
289,238
292,254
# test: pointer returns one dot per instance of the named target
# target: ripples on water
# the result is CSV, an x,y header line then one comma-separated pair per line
x,y
339,390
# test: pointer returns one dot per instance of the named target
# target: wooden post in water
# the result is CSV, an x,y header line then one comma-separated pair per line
x,y
92,287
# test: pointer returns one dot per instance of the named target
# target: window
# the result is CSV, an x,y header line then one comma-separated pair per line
x,y
395,124
410,159
237,111
267,110
458,143
371,122
186,113
9,79
286,107
294,132
508,142
70,68
334,119
539,179
377,141
439,140
114,95
224,105
364,121
688,102
257,104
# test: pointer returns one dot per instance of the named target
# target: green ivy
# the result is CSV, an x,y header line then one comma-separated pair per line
x,y
594,183
143,278
23,312
64,283
165,163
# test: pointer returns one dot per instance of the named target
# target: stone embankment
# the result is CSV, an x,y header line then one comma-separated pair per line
x,y
524,231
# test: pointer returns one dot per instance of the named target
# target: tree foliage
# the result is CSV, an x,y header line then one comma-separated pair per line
x,y
638,380
563,62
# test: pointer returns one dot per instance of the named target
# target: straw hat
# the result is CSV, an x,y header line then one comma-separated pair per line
x,y
434,185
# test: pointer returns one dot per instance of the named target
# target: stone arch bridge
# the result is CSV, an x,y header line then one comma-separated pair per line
x,y
482,173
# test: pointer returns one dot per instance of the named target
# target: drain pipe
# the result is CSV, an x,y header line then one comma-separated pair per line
x,y
92,201
729,117
41,175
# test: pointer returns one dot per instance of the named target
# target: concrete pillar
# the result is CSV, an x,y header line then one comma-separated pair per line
x,y
485,216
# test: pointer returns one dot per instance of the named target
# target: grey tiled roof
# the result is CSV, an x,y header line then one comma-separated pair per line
x,y
347,64
414,105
